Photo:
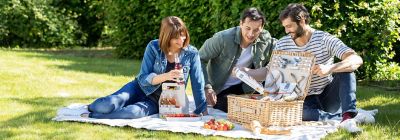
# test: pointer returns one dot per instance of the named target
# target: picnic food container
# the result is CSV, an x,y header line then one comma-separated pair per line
x,y
267,109
173,99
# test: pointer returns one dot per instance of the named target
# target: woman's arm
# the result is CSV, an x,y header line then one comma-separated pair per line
x,y
172,75
146,74
197,82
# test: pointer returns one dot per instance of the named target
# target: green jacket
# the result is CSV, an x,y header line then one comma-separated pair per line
x,y
219,55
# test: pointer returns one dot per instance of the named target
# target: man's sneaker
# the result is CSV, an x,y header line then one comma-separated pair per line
x,y
372,112
350,125
364,117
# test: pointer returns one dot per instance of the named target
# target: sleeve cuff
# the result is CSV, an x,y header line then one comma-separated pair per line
x,y
150,77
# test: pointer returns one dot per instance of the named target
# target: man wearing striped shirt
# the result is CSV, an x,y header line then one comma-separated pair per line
x,y
333,85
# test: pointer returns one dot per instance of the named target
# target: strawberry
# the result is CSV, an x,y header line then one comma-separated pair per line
x,y
206,126
225,128
212,120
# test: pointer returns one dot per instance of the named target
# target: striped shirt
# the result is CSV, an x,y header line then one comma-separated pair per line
x,y
324,46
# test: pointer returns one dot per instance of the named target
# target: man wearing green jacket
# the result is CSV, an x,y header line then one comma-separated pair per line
x,y
245,46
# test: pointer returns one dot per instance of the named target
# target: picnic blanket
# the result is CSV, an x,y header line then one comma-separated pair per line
x,y
309,130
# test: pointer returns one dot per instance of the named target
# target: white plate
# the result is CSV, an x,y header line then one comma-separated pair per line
x,y
185,119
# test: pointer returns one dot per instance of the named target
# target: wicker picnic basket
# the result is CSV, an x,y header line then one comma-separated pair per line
x,y
243,109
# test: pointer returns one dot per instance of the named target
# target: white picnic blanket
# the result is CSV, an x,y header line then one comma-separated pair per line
x,y
313,130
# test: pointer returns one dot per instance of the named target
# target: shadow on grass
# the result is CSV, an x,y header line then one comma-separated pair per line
x,y
51,102
43,110
389,113
38,122
89,64
387,85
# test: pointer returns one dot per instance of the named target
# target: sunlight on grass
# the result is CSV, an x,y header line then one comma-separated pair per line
x,y
381,100
34,85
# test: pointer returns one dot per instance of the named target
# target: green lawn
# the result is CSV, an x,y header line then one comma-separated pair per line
x,y
34,84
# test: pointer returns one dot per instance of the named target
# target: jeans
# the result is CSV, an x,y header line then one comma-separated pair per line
x,y
337,98
222,97
127,103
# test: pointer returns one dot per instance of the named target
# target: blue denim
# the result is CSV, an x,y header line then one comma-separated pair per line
x,y
155,62
337,98
127,103
131,101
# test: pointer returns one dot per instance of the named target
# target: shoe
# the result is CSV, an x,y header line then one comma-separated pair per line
x,y
365,117
73,110
85,115
372,112
350,125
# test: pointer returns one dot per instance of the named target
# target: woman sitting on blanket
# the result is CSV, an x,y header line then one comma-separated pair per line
x,y
139,98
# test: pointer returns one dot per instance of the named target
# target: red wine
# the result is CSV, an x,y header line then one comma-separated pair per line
x,y
178,66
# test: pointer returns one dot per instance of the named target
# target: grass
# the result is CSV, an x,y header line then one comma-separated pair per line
x,y
34,84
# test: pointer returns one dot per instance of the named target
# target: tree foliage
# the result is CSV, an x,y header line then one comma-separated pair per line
x,y
49,23
370,27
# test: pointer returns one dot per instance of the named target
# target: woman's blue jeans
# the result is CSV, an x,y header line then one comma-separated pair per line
x,y
127,103
337,98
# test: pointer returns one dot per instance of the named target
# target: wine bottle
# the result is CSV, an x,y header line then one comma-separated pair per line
x,y
178,66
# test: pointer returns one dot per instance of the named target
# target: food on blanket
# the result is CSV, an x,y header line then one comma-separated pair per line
x,y
269,131
256,127
219,125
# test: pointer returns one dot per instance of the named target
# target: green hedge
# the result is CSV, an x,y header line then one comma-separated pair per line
x,y
371,28
50,23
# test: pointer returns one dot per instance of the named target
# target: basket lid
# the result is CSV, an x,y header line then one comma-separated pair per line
x,y
292,70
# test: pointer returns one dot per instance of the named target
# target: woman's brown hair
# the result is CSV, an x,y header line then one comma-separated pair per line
x,y
172,27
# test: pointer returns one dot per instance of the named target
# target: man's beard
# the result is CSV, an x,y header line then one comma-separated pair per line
x,y
299,32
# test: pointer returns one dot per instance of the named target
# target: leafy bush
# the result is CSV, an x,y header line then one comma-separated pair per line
x,y
371,28
90,18
132,25
37,23
387,71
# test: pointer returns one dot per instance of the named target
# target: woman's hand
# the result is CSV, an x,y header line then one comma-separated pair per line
x,y
173,75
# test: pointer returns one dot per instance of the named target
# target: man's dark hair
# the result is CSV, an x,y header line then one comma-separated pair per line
x,y
296,12
253,14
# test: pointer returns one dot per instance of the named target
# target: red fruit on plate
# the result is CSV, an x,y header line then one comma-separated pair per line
x,y
225,128
206,126
214,127
220,128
